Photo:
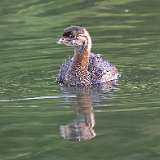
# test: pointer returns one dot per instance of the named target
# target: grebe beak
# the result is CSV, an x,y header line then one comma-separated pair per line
x,y
61,40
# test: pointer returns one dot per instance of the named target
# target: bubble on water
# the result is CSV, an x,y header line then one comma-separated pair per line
x,y
126,10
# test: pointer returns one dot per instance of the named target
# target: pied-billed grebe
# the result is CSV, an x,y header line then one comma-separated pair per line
x,y
84,68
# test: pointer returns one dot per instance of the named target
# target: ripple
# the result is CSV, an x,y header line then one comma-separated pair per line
x,y
37,98
128,109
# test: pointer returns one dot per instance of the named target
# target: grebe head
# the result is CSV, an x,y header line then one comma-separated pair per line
x,y
77,37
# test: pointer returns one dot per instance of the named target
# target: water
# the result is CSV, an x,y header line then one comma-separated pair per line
x,y
33,108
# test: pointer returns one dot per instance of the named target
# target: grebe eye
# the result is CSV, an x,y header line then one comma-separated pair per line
x,y
71,36
68,34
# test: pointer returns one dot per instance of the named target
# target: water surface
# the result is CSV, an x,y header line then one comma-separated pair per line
x,y
33,107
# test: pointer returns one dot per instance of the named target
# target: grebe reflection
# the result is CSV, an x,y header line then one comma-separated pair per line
x,y
82,128
82,101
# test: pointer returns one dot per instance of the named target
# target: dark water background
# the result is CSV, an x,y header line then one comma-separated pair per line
x,y
32,105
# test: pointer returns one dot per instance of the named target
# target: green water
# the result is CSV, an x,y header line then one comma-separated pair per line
x,y
33,106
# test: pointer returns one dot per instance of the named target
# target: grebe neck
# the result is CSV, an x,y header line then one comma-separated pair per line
x,y
82,53
81,59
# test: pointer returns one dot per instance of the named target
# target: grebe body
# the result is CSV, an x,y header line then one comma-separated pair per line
x,y
84,68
